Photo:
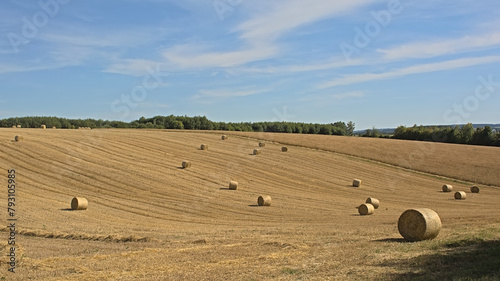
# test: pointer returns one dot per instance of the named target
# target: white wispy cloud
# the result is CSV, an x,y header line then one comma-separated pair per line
x,y
354,94
192,56
228,93
416,69
330,64
257,35
428,49
277,18
133,67
328,97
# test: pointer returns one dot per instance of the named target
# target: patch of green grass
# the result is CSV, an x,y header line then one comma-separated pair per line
x,y
291,271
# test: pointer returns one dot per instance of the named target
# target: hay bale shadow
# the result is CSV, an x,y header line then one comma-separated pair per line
x,y
254,205
468,259
392,240
66,209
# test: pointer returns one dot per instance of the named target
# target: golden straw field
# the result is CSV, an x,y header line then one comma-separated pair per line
x,y
150,219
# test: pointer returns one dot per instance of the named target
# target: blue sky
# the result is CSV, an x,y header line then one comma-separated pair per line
x,y
377,63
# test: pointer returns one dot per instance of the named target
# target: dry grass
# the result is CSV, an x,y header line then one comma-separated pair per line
x,y
477,164
150,220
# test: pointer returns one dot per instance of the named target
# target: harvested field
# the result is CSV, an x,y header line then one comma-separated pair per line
x,y
148,219
476,164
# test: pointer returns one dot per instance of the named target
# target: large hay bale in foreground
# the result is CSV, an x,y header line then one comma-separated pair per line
x,y
186,164
18,138
419,224
256,151
262,144
264,200
224,137
366,209
447,188
356,183
460,195
233,185
474,189
375,202
204,147
43,127
79,203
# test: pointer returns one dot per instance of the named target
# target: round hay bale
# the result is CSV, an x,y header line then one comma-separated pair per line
x,y
284,149
375,202
224,137
54,127
18,138
186,164
447,188
262,144
474,189
264,200
79,203
19,126
43,127
419,224
233,185
256,151
366,209
204,147
14,126
356,183
460,195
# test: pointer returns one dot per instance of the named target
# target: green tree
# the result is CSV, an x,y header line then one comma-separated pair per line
x,y
350,128
466,133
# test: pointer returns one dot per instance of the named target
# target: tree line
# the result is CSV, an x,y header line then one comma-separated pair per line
x,y
465,134
184,122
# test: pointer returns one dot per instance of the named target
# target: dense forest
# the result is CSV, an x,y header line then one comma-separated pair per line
x,y
184,122
465,134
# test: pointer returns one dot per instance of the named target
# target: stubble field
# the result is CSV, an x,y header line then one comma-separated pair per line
x,y
149,219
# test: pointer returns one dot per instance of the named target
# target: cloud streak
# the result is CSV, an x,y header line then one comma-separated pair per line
x,y
429,49
416,69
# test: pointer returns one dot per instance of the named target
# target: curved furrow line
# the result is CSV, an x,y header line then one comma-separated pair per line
x,y
72,174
